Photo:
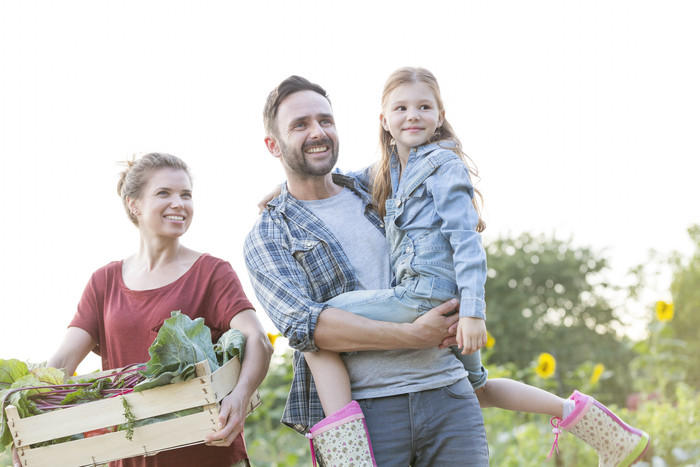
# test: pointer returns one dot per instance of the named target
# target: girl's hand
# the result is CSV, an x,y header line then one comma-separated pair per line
x,y
471,334
262,204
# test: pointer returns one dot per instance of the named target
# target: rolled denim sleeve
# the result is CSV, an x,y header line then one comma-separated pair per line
x,y
452,191
280,285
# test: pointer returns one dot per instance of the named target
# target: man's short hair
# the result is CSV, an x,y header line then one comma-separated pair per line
x,y
289,86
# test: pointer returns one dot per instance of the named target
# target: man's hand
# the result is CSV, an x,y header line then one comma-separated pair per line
x,y
471,334
435,328
231,419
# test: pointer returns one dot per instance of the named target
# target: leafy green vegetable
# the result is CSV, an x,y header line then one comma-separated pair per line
x,y
89,393
229,346
10,371
16,374
180,344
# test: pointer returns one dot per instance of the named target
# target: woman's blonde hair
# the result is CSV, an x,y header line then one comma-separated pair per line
x,y
381,175
133,179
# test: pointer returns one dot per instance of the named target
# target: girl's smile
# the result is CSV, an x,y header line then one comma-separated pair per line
x,y
411,115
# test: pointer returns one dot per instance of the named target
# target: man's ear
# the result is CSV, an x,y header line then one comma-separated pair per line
x,y
273,146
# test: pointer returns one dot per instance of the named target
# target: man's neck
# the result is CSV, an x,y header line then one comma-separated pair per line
x,y
313,188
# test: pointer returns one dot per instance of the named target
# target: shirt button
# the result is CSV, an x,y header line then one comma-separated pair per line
x,y
408,248
381,225
398,202
308,244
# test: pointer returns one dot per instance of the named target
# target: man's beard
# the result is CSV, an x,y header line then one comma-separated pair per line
x,y
296,159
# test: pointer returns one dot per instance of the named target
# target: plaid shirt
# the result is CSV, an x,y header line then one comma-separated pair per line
x,y
295,264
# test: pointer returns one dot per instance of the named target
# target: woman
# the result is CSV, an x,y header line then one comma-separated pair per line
x,y
125,303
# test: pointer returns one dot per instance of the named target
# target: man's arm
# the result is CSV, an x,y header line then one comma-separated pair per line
x,y
282,287
342,331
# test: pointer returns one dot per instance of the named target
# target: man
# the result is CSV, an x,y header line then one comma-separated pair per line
x,y
419,406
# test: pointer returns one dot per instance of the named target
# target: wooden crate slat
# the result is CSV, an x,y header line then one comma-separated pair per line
x,y
109,412
156,437
205,391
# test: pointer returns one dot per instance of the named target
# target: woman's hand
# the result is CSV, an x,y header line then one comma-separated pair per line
x,y
231,419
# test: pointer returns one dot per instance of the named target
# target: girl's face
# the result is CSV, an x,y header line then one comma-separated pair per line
x,y
411,115
165,207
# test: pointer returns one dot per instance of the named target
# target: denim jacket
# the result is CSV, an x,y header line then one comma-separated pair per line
x,y
433,232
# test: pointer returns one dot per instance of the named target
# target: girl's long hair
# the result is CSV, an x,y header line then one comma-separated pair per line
x,y
381,175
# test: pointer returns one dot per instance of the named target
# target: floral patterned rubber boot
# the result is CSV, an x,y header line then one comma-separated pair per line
x,y
341,439
617,443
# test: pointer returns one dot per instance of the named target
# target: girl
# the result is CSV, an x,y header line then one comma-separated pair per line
x,y
422,187
125,303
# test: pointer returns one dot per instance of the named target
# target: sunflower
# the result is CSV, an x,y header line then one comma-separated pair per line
x,y
664,311
273,338
546,364
490,341
597,372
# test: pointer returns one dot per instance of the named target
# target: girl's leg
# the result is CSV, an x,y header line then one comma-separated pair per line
x,y
513,395
507,393
341,438
331,378
379,305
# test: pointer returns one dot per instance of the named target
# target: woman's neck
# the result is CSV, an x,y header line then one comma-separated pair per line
x,y
157,265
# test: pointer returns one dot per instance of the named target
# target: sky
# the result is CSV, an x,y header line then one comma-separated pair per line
x,y
582,118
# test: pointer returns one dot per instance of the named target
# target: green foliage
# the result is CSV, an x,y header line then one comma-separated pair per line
x,y
270,443
545,295
6,458
686,297
673,424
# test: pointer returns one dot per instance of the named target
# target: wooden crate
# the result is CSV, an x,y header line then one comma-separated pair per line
x,y
206,391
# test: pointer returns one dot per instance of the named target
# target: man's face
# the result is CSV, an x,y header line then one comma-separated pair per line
x,y
306,139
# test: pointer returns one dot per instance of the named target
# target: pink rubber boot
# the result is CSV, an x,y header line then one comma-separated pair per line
x,y
341,439
617,443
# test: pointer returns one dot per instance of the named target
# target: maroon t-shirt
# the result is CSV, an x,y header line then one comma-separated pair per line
x,y
125,322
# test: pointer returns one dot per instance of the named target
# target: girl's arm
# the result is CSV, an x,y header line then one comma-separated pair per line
x,y
452,192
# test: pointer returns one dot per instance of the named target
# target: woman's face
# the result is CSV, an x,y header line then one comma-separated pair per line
x,y
165,206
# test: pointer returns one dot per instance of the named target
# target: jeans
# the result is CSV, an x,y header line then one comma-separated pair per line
x,y
439,427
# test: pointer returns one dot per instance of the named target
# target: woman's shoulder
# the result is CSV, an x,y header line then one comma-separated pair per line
x,y
210,262
106,274
109,269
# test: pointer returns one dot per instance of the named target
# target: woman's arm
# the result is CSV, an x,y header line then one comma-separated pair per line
x,y
76,344
256,361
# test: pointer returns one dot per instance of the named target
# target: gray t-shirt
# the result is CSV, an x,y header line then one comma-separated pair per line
x,y
389,372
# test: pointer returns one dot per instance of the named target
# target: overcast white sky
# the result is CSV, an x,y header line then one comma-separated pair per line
x,y
582,118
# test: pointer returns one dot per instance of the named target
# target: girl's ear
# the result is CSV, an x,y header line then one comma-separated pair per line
x,y
441,119
383,122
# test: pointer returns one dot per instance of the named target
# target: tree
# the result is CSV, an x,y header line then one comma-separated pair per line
x,y
685,289
544,295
